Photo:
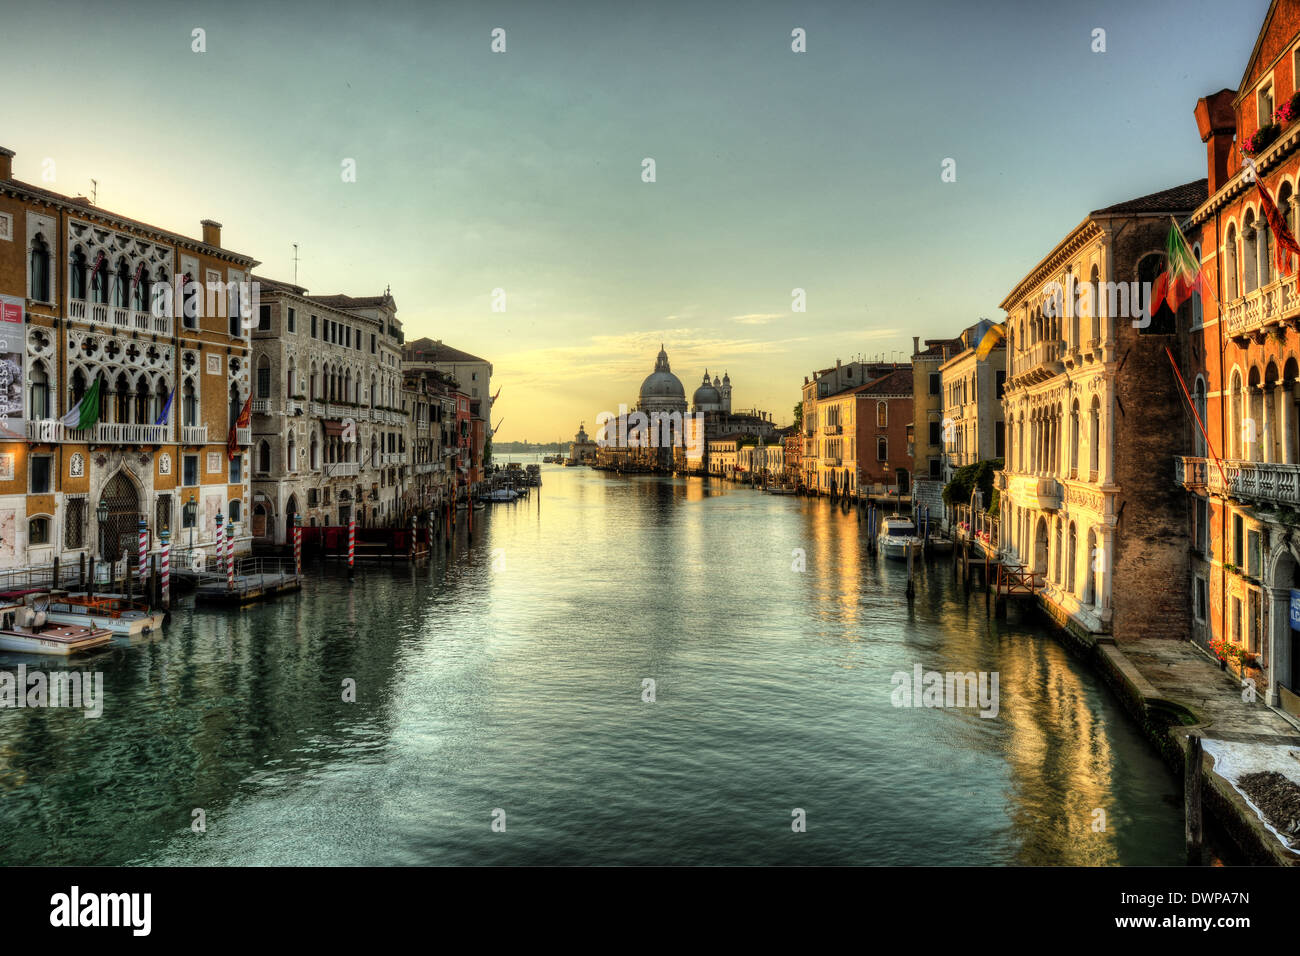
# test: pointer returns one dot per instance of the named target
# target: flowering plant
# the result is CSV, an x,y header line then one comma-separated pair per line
x,y
1261,140
1289,110
1225,650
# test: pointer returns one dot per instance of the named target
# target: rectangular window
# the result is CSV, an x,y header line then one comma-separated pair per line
x,y
1201,525
1254,556
372,343
292,325
936,469
882,449
1001,383
311,497
882,415
264,382
38,531
237,469
936,433
1265,105
1238,542
934,383
999,439
40,470
190,470
264,319
1200,602
313,327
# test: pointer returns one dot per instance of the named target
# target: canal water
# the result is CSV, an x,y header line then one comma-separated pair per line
x,y
506,681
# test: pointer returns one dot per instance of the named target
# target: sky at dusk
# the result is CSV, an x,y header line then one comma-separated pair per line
x,y
523,170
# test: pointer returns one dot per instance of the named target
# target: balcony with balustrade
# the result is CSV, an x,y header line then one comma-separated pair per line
x,y
1039,362
1190,473
342,469
243,436
1257,482
1043,492
1262,310
261,406
53,431
194,434
134,320
128,433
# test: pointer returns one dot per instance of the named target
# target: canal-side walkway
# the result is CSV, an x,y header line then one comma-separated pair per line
x,y
1180,692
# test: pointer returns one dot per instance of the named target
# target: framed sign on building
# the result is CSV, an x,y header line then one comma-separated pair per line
x,y
13,336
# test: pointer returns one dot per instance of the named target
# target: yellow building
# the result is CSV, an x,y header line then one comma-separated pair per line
x,y
159,321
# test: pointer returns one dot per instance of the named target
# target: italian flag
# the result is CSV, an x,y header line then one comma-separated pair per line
x,y
1182,275
86,412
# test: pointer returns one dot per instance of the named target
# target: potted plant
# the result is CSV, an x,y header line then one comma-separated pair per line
x,y
1288,111
1261,140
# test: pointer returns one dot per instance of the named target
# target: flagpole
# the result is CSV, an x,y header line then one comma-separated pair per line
x,y
1197,415
1203,284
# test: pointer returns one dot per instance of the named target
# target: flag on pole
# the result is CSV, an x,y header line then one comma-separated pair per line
x,y
86,412
1182,276
166,409
232,443
1285,245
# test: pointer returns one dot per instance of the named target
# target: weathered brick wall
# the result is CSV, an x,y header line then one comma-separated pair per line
x,y
1151,571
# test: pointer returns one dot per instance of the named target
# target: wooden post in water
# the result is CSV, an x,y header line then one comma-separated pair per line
x,y
81,571
90,579
54,582
911,585
153,580
1192,800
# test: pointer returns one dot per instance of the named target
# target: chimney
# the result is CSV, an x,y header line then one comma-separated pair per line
x,y
211,232
6,163
1216,121
916,344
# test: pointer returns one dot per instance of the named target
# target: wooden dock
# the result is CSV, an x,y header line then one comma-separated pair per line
x,y
255,579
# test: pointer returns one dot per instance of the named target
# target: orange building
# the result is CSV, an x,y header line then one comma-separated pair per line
x,y
1240,358
159,321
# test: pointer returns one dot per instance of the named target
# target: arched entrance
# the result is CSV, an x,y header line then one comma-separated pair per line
x,y
1040,547
119,535
1285,670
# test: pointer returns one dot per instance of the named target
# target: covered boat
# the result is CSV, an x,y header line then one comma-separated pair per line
x,y
25,629
897,537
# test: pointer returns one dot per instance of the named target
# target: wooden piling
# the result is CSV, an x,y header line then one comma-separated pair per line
x,y
54,582
81,571
90,579
1192,800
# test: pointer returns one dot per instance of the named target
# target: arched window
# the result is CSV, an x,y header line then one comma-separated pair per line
x,y
121,281
264,456
161,302
1094,280
1074,439
314,452
1263,254
99,283
1249,243
1094,437
1236,417
236,511
141,292
39,393
77,280
882,414
1198,402
189,405
1071,558
40,269
1230,253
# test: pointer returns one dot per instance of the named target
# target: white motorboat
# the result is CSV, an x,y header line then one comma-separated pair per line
x,y
897,537
113,612
28,631
500,494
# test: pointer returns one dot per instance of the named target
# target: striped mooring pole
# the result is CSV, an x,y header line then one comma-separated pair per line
x,y
297,544
410,549
352,542
221,541
143,553
230,556
165,561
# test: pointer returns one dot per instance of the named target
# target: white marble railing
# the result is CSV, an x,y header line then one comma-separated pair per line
x,y
126,433
1255,480
194,434
1255,309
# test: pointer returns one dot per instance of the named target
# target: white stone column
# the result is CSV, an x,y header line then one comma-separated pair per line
x,y
1279,640
1106,541
1107,435
1267,397
1288,423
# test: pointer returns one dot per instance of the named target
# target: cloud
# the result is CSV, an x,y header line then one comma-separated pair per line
x,y
756,318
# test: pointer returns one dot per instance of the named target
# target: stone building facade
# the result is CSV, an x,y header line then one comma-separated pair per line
x,y
972,427
88,295
330,425
1094,417
1240,359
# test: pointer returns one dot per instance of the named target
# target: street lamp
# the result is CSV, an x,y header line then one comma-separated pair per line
x,y
190,510
101,513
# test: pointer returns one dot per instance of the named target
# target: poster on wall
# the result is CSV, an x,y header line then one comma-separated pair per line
x,y
13,335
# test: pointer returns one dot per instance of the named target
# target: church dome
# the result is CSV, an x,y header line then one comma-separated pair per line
x,y
707,397
662,385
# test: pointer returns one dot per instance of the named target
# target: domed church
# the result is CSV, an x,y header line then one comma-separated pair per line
x,y
713,396
662,391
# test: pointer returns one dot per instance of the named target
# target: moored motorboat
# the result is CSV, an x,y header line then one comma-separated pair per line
x,y
29,631
113,612
897,537
940,544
